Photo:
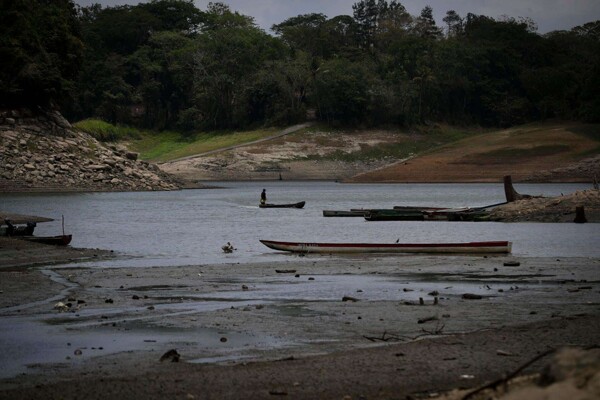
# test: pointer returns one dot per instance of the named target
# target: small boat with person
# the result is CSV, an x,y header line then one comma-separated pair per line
x,y
464,247
300,204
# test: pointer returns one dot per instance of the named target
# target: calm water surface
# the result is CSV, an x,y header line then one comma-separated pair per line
x,y
189,227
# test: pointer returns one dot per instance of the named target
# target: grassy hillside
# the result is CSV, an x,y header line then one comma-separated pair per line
x,y
421,154
168,145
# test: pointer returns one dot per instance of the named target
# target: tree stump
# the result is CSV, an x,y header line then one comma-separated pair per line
x,y
580,215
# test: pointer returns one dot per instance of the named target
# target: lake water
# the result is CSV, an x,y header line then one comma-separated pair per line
x,y
189,227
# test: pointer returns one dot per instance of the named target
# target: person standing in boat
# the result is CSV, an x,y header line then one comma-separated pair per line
x,y
263,197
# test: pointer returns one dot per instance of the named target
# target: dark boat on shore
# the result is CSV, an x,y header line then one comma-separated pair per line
x,y
394,215
344,213
59,240
294,205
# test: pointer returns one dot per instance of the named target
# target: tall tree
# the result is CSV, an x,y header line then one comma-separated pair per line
x,y
454,22
366,13
425,25
228,56
304,32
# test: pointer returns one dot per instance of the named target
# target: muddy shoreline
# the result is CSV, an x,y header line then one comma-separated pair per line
x,y
327,329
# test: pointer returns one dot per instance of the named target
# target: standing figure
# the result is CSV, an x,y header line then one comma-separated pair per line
x,y
263,197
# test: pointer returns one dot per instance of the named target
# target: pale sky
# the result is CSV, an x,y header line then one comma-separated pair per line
x,y
548,14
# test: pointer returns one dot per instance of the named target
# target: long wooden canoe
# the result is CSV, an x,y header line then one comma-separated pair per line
x,y
294,205
466,247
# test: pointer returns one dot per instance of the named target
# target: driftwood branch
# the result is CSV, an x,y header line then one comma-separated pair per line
x,y
497,382
437,331
385,337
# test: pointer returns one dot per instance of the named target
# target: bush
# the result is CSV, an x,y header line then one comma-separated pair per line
x,y
106,132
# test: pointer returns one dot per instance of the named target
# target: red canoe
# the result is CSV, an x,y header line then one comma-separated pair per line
x,y
467,247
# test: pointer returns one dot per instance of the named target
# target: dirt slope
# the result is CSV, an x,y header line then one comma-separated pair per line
x,y
299,156
549,152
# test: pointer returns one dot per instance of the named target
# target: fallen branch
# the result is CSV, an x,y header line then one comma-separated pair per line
x,y
497,382
383,337
438,330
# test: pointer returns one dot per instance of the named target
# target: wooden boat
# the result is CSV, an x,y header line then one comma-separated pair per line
x,y
467,247
60,240
344,213
418,208
450,214
394,215
295,205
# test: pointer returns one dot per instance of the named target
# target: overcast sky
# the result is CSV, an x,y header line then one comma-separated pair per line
x,y
548,14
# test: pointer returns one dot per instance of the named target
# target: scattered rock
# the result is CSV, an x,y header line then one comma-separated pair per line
x,y
504,353
512,264
61,307
42,152
278,392
471,296
348,298
171,355
427,319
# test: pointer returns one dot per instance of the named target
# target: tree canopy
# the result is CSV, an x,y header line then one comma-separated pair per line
x,y
167,64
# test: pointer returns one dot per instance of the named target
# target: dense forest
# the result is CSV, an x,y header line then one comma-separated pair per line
x,y
167,64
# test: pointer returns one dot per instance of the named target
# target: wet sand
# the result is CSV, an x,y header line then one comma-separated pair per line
x,y
343,326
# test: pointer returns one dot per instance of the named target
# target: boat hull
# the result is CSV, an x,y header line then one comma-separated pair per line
x,y
466,247
343,213
60,240
294,205
393,215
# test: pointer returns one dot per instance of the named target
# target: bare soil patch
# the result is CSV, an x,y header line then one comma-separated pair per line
x,y
525,153
550,152
293,157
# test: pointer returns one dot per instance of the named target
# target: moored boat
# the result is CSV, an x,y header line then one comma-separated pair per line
x,y
344,213
465,247
59,240
294,205
393,215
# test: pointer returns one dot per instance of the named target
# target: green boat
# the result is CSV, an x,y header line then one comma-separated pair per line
x,y
394,215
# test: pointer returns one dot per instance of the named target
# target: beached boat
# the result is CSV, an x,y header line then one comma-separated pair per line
x,y
60,240
394,215
344,213
466,247
294,205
